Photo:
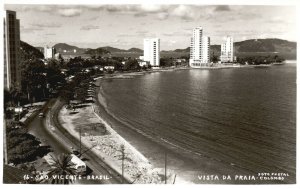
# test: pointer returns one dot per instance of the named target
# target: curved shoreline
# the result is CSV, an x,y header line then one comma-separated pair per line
x,y
137,168
186,165
202,165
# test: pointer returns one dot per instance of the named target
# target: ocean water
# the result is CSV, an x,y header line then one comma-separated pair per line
x,y
239,121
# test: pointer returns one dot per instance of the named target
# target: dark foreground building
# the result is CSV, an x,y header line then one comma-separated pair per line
x,y
12,73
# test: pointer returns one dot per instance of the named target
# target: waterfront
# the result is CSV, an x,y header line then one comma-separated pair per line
x,y
226,121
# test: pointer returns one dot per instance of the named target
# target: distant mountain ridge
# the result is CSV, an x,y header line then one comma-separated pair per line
x,y
117,50
64,46
249,47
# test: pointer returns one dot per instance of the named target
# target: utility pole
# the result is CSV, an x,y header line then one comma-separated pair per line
x,y
87,150
123,157
174,179
80,140
165,167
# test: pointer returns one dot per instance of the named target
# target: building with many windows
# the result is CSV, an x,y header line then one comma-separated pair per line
x,y
49,52
227,50
151,51
12,70
199,49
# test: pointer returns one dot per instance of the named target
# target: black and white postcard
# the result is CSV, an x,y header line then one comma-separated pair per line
x,y
149,93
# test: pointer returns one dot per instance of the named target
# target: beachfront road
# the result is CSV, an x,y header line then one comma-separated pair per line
x,y
61,142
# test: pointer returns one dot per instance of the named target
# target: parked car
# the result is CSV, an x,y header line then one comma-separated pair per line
x,y
79,165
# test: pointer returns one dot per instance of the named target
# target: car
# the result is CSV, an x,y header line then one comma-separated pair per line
x,y
41,114
78,164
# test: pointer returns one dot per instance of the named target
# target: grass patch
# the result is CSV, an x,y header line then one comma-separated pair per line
x,y
92,129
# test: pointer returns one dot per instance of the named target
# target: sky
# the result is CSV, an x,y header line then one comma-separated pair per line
x,y
125,26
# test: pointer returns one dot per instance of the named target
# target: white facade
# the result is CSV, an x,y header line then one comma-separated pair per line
x,y
199,49
227,50
205,49
151,51
49,52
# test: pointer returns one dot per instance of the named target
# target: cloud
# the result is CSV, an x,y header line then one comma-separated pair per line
x,y
116,41
184,12
89,27
62,10
172,42
152,8
30,29
162,16
125,35
142,32
140,14
46,25
169,34
69,12
222,8
178,33
114,8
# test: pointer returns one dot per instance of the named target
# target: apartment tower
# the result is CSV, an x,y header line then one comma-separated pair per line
x,y
49,52
227,50
151,51
199,49
12,71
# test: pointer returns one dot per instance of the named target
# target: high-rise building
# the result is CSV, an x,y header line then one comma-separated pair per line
x,y
12,71
151,51
227,50
49,52
205,49
199,49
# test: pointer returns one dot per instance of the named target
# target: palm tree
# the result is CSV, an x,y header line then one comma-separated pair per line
x,y
61,166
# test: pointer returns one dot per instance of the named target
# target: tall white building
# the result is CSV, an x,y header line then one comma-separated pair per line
x,y
199,49
227,50
49,52
205,49
151,51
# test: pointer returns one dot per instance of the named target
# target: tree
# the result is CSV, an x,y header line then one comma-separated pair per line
x,y
166,62
33,79
61,166
132,64
22,146
80,94
67,95
214,58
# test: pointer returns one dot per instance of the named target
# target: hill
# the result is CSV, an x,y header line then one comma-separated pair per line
x,y
135,50
284,48
29,52
132,52
251,47
64,46
97,52
265,45
117,50
64,49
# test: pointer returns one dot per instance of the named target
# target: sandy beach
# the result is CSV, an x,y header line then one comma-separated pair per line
x,y
106,143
